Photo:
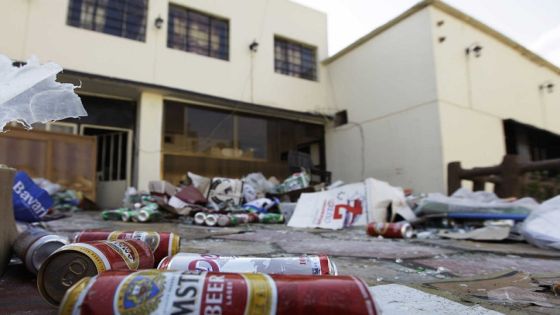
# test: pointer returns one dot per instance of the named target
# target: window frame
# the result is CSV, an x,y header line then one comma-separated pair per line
x,y
289,68
76,15
213,20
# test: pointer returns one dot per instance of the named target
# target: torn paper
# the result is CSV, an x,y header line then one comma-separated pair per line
x,y
30,94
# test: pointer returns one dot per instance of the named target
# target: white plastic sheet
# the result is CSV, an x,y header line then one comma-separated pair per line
x,y
464,200
30,94
542,227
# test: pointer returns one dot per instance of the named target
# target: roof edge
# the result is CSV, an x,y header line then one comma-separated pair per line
x,y
457,14
362,40
529,54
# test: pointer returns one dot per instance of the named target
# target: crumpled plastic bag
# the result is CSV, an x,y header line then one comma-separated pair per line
x,y
464,200
30,94
542,227
256,186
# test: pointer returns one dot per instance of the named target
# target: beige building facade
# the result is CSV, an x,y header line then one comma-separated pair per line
x,y
435,86
228,87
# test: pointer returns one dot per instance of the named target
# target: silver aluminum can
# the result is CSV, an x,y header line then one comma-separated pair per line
x,y
33,246
199,218
304,265
211,219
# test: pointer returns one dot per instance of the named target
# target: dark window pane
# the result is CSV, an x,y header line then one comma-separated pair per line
x,y
295,59
198,33
253,134
123,18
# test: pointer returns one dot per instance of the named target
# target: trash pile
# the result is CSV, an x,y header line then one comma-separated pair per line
x,y
212,201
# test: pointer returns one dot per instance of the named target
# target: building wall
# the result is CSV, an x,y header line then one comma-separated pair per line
x,y
476,94
388,87
39,28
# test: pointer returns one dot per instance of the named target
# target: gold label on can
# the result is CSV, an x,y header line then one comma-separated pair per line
x,y
150,238
262,295
128,253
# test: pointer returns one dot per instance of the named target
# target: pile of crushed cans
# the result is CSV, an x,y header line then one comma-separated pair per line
x,y
115,272
223,202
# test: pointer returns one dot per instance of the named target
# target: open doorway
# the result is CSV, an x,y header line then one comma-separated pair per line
x,y
114,157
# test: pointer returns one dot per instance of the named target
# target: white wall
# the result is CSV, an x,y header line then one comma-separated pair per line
x,y
39,28
388,86
477,94
150,118
13,27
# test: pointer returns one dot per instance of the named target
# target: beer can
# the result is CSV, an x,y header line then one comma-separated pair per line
x,y
162,244
199,218
116,214
34,245
243,218
227,220
304,265
185,292
129,215
73,262
211,219
148,213
271,218
390,230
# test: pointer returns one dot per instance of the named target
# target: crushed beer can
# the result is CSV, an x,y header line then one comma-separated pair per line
x,y
33,246
304,265
185,292
162,244
390,230
271,218
73,262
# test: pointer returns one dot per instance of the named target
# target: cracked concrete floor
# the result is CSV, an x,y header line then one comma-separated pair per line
x,y
422,264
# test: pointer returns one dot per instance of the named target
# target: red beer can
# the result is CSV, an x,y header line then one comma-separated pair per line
x,y
390,230
304,265
72,262
162,244
183,292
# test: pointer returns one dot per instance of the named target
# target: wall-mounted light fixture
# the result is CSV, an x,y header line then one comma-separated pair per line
x,y
254,47
158,22
548,86
475,49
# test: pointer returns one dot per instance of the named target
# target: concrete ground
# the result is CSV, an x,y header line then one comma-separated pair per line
x,y
497,276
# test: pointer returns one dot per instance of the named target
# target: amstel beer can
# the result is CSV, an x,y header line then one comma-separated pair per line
x,y
162,244
34,245
390,230
184,292
304,265
73,262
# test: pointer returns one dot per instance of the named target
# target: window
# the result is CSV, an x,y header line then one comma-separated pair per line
x,y
213,142
198,33
294,59
123,18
